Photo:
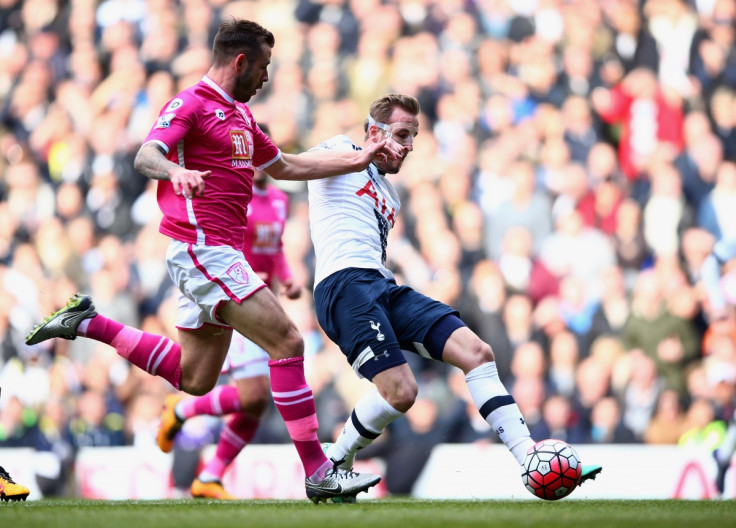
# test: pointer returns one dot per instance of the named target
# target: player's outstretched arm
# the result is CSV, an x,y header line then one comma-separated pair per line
x,y
151,161
316,164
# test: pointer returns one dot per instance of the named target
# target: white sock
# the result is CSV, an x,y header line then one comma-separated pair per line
x,y
206,476
371,416
499,409
82,327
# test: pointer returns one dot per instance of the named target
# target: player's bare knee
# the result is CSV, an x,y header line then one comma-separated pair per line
x,y
480,352
254,404
294,344
403,396
197,386
289,346
475,354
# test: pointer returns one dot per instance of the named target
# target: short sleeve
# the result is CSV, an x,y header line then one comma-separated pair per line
x,y
174,121
265,150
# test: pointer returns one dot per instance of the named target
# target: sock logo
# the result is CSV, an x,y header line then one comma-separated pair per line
x,y
377,328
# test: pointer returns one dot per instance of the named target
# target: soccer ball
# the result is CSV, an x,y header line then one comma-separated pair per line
x,y
551,469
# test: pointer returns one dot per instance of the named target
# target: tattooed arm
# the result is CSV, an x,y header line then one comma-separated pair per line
x,y
151,161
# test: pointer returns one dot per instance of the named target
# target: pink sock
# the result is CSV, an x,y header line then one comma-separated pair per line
x,y
294,400
234,437
157,355
220,401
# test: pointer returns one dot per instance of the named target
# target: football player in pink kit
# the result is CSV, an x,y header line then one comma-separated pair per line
x,y
203,149
246,362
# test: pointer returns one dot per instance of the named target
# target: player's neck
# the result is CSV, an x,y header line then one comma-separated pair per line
x,y
222,79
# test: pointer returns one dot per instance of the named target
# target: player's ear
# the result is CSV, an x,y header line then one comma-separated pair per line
x,y
375,133
241,62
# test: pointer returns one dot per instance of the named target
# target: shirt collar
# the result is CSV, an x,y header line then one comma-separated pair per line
x,y
216,87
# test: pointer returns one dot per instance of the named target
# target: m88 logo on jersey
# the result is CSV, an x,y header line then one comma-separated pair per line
x,y
241,149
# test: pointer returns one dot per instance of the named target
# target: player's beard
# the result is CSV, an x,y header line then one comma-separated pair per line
x,y
388,166
245,87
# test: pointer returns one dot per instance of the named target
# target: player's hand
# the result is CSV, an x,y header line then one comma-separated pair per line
x,y
292,290
372,151
189,183
393,150
386,149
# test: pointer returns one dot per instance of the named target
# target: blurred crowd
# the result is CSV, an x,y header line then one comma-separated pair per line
x,y
576,162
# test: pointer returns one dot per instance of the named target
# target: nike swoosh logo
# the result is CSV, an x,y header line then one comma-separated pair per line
x,y
65,319
335,488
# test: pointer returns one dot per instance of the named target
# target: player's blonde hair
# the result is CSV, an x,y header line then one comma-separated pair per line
x,y
382,107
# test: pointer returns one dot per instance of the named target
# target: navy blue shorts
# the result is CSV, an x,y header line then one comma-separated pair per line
x,y
372,319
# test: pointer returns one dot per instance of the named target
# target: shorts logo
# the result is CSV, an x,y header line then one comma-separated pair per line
x,y
240,145
377,328
174,104
237,273
384,354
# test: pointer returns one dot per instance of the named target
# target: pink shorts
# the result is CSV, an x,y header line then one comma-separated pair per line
x,y
208,277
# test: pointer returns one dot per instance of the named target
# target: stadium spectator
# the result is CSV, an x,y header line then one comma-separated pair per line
x,y
648,116
94,425
613,308
641,392
716,208
670,340
559,421
592,384
712,51
666,214
667,424
606,424
699,158
564,356
573,249
724,123
526,207
702,429
632,252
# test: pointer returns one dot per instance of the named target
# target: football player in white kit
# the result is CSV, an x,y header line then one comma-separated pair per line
x,y
361,307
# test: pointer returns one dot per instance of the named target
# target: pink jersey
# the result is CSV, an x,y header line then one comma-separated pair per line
x,y
203,128
263,247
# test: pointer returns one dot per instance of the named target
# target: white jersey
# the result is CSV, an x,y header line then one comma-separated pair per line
x,y
350,217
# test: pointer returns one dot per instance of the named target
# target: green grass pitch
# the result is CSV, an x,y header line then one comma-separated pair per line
x,y
384,513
